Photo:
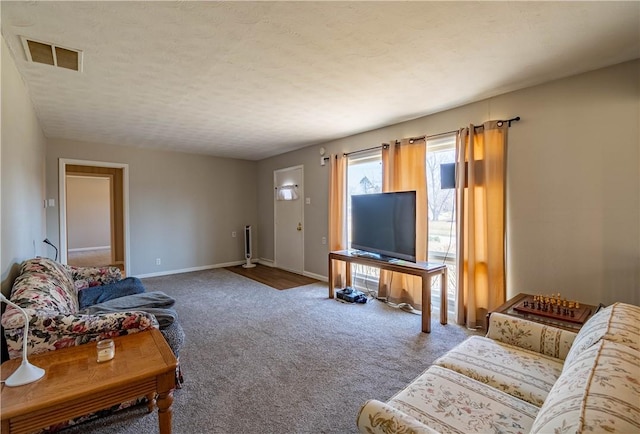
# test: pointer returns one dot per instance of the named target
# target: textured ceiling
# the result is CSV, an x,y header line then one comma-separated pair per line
x,y
255,79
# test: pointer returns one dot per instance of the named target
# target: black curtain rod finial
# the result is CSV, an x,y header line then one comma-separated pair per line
x,y
508,121
516,119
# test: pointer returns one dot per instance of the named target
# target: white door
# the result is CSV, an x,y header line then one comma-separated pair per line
x,y
289,219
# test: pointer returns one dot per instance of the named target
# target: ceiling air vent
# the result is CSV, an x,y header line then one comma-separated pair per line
x,y
51,54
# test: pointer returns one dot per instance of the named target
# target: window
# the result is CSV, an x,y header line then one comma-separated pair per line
x,y
442,216
287,192
364,176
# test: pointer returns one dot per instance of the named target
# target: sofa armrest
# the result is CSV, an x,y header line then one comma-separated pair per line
x,y
530,335
48,332
84,277
378,417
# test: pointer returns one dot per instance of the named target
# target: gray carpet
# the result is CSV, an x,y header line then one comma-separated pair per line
x,y
259,360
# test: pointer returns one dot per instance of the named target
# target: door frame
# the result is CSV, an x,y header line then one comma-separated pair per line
x,y
62,201
275,213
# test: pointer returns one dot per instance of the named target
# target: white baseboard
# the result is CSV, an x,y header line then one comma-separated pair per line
x,y
261,261
271,263
316,276
189,270
267,262
85,249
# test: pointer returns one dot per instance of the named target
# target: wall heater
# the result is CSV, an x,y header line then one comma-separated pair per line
x,y
247,247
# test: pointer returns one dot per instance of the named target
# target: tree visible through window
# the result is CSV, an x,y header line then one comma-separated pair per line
x,y
442,216
441,202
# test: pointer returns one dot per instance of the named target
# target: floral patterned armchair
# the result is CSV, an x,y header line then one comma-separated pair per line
x,y
48,292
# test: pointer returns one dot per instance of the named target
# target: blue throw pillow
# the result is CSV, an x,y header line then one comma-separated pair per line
x,y
99,294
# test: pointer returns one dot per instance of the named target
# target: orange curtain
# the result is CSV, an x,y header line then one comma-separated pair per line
x,y
337,216
404,169
481,168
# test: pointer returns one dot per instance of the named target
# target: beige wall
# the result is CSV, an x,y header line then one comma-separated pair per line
x,y
88,212
22,167
573,184
182,207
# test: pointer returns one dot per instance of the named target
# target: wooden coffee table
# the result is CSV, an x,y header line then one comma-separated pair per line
x,y
75,384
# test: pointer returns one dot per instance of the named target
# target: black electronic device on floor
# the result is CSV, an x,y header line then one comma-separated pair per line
x,y
351,295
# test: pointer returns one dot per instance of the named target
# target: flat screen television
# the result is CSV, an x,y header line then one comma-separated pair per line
x,y
384,224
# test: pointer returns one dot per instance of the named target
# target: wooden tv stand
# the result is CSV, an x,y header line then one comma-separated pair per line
x,y
423,269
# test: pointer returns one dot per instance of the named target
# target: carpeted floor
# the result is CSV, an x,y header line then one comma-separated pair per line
x,y
273,277
257,360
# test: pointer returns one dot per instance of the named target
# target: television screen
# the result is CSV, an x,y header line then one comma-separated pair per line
x,y
385,224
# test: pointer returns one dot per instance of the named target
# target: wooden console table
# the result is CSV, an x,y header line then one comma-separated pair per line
x,y
423,269
75,384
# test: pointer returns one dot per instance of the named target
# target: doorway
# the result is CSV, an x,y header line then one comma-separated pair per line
x,y
289,219
89,220
117,176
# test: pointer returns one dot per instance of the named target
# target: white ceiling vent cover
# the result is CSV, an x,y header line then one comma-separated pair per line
x,y
52,54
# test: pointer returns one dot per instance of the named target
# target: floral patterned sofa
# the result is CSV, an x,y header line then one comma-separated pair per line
x,y
524,377
48,292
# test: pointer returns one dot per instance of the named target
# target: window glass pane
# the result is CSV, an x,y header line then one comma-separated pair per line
x,y
364,176
442,217
441,202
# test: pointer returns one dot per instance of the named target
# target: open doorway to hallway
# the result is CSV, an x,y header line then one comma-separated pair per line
x,y
89,220
93,214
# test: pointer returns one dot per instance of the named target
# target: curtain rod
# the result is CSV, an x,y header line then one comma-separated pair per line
x,y
412,139
500,123
346,154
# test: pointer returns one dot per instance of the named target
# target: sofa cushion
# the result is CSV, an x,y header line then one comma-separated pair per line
x,y
530,335
86,277
450,402
43,285
598,392
619,323
525,374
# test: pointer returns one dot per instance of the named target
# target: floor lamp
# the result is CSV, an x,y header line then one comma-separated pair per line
x,y
26,373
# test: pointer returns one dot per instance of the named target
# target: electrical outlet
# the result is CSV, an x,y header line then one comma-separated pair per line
x,y
233,234
324,240
158,261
